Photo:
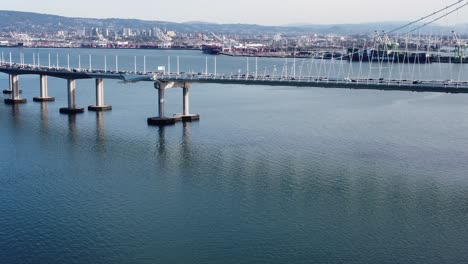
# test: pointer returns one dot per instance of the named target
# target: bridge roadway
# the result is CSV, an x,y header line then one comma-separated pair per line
x,y
74,74
321,82
185,80
371,84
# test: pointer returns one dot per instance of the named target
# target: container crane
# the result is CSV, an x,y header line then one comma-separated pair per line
x,y
460,47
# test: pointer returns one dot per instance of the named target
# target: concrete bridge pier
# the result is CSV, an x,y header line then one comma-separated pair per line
x,y
100,106
161,119
186,116
71,109
43,91
10,90
14,86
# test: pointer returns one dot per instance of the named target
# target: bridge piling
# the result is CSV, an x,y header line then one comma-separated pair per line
x,y
43,91
186,116
185,94
100,106
161,95
10,90
161,120
71,109
14,86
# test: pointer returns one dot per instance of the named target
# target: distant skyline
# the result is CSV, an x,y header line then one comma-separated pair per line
x,y
261,12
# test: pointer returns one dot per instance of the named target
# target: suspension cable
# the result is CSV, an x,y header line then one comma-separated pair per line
x,y
438,18
421,19
426,24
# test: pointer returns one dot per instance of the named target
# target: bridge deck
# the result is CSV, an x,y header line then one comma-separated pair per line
x,y
428,86
347,83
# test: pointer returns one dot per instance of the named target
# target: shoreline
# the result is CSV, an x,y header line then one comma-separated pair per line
x,y
129,48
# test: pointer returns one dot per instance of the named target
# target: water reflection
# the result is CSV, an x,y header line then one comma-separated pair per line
x,y
175,152
72,128
44,121
15,114
44,115
186,133
100,133
161,142
186,150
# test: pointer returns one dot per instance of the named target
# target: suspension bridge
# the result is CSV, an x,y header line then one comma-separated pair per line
x,y
392,74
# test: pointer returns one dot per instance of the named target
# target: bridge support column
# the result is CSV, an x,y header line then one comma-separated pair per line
x,y
161,120
186,116
43,91
10,89
100,106
71,109
14,86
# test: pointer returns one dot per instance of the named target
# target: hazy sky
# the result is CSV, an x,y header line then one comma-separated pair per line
x,y
266,12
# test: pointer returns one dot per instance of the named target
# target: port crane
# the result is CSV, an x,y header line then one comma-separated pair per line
x,y
393,46
460,47
385,41
165,39
216,37
25,38
226,42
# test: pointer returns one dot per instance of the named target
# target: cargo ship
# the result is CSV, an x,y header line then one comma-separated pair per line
x,y
373,55
212,49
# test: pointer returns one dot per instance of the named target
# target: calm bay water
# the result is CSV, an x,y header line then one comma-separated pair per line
x,y
269,174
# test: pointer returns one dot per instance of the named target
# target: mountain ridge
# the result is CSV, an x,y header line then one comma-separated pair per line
x,y
20,21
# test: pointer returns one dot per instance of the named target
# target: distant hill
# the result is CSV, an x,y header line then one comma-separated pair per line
x,y
27,22
35,22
